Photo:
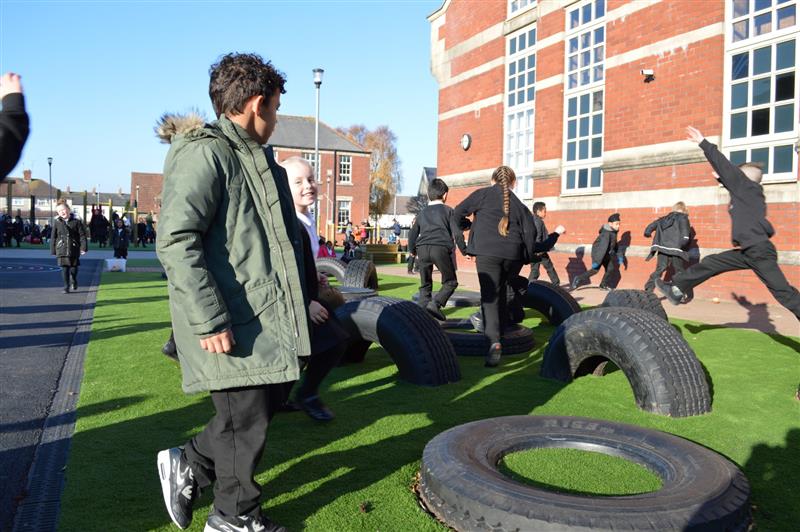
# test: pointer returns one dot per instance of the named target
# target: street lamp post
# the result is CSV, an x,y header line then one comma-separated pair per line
x,y
50,188
137,198
317,83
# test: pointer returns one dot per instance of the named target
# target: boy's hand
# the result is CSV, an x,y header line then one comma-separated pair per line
x,y
694,135
317,313
9,84
322,279
221,343
560,230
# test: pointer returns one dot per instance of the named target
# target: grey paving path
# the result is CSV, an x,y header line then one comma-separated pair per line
x,y
43,335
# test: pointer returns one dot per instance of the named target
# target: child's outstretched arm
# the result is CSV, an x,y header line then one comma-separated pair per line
x,y
728,174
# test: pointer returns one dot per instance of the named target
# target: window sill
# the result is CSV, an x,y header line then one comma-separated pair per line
x,y
346,183
581,193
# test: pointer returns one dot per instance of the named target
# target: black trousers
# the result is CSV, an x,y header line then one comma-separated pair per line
x,y
543,260
608,264
664,262
228,450
427,257
762,258
69,273
120,253
494,274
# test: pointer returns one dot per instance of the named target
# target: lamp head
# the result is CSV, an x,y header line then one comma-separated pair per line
x,y
318,76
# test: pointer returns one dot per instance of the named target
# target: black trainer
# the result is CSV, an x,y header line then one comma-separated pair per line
x,y
495,352
604,287
242,523
66,289
673,294
177,485
74,285
575,282
433,310
315,408
170,349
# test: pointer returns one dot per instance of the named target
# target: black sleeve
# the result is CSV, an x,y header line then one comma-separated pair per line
x,y
683,227
470,204
53,234
730,175
456,232
82,233
413,235
650,228
14,130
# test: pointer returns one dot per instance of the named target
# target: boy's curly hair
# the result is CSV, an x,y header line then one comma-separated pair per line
x,y
236,78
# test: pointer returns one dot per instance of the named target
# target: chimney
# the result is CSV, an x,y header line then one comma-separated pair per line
x,y
119,191
26,176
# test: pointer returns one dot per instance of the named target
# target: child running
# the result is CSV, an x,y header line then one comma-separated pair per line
x,y
605,252
669,243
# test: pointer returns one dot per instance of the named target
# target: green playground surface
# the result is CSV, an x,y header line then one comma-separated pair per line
x,y
358,472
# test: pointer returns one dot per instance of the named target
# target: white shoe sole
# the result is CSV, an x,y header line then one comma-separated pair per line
x,y
163,462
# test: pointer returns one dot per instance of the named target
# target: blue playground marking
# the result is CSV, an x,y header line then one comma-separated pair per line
x,y
16,267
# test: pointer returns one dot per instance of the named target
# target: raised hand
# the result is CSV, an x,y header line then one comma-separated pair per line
x,y
693,134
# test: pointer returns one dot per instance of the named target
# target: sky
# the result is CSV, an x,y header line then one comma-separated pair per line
x,y
98,74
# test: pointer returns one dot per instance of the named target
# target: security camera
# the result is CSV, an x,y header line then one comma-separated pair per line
x,y
648,74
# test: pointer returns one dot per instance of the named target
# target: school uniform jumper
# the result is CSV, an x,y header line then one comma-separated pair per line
x,y
751,233
542,258
431,240
669,245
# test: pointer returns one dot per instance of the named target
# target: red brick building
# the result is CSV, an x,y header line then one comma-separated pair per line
x,y
344,172
559,91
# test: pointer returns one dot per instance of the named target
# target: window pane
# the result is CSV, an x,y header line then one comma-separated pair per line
x,y
782,159
584,76
739,157
572,107
597,147
784,55
586,40
597,101
584,131
512,84
784,87
522,42
597,124
531,61
531,94
512,68
586,58
761,91
570,151
570,179
583,177
786,17
512,46
739,95
520,97
762,60
596,177
598,35
511,100
740,30
532,37
761,155
762,4
740,8
783,118
763,23
573,18
573,81
598,54
584,104
573,63
760,122
521,65
599,8
583,149
531,77
738,125
739,66
572,126
598,72
587,13
573,45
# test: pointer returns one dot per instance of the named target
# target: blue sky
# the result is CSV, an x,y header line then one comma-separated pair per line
x,y
97,74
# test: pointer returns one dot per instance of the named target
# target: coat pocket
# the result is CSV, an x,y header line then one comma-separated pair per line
x,y
251,303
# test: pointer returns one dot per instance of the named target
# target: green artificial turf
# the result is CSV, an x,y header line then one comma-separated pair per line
x,y
357,472
581,472
93,246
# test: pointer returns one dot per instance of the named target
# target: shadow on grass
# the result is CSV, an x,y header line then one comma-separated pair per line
x,y
788,341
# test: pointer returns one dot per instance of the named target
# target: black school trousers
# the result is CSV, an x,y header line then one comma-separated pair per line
x,y
543,259
442,258
494,274
662,263
229,448
762,258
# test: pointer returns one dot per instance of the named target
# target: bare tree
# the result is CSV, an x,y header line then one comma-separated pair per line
x,y
415,204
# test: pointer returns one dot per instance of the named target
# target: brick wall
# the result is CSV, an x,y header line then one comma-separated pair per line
x,y
149,189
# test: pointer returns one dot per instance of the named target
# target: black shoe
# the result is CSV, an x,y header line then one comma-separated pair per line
x,y
605,287
242,523
177,485
673,294
433,310
74,285
495,352
574,284
315,408
66,289
289,406
170,349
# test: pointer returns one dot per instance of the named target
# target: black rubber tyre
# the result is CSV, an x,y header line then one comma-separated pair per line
x,y
460,298
361,274
516,339
662,369
461,484
635,299
413,339
553,301
351,293
332,267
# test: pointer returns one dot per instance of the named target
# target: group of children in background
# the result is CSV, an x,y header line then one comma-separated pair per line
x,y
504,236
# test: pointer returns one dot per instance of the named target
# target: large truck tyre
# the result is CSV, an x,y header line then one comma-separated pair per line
x,y
635,299
361,274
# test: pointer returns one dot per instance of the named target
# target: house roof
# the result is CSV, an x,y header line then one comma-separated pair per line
x,y
22,188
298,132
115,197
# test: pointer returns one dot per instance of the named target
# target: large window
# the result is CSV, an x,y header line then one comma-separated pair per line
x,y
345,169
584,98
342,213
761,102
518,6
520,99
311,157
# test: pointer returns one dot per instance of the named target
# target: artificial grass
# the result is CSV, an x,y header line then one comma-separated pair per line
x,y
579,472
356,472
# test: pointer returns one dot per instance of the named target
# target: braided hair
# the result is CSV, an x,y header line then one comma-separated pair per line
x,y
505,177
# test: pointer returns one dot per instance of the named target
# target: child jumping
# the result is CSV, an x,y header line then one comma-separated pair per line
x,y
431,242
605,252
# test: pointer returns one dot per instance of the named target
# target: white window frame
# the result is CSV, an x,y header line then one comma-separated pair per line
x,y
346,169
310,156
770,141
519,120
20,202
516,7
339,210
590,88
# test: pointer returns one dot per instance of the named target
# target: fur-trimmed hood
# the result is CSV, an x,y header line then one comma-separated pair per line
x,y
171,124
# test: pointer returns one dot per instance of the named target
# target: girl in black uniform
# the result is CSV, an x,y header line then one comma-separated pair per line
x,y
502,238
68,243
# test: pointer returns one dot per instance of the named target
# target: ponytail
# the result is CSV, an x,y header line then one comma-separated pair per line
x,y
505,177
